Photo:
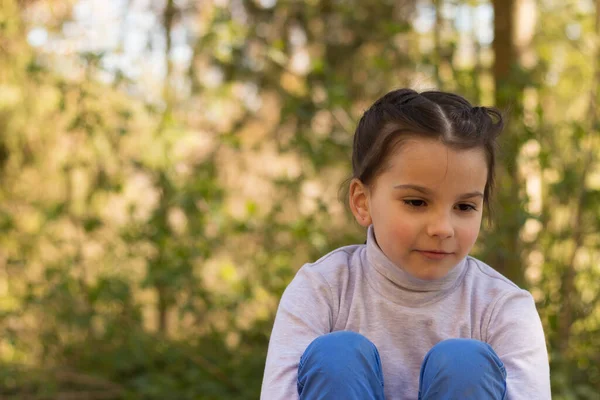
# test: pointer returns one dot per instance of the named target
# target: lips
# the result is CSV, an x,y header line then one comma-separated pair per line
x,y
434,254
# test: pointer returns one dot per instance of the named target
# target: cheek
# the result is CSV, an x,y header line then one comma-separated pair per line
x,y
402,230
469,234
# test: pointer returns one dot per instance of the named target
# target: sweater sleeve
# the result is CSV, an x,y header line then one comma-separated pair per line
x,y
305,312
515,333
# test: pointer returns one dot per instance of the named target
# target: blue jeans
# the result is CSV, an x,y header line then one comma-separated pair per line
x,y
346,365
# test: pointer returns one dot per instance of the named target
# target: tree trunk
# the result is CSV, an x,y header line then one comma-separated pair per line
x,y
168,16
567,314
510,41
504,46
478,69
162,289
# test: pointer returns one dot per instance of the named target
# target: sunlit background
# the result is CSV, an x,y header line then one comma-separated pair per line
x,y
167,165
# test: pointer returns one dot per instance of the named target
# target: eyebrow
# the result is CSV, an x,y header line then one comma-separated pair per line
x,y
425,190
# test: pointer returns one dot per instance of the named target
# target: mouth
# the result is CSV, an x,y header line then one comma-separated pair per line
x,y
434,254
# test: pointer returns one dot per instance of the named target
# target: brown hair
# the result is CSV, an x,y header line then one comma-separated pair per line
x,y
431,114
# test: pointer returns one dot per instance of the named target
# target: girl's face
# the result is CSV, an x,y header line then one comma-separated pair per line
x,y
426,208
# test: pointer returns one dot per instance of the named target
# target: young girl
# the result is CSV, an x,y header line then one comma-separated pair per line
x,y
410,314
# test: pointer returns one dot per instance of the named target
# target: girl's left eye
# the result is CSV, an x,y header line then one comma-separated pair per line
x,y
466,207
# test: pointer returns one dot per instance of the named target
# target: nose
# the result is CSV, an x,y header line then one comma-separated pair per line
x,y
440,225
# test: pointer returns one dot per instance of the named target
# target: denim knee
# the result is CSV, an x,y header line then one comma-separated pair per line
x,y
467,367
452,353
338,360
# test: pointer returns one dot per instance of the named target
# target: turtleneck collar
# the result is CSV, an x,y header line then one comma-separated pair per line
x,y
398,285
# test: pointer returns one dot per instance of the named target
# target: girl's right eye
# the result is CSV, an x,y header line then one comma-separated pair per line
x,y
415,202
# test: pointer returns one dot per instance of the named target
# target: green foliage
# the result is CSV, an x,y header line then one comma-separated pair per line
x,y
148,237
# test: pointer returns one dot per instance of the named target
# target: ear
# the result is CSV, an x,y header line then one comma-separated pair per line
x,y
359,202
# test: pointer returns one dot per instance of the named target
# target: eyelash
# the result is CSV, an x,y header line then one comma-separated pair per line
x,y
411,202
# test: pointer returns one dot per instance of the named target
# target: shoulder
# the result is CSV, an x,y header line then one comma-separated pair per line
x,y
338,263
490,280
328,271
509,308
317,285
501,295
327,276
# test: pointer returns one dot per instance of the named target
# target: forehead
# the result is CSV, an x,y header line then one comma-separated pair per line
x,y
431,163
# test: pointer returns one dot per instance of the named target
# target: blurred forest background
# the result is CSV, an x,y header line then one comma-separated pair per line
x,y
167,165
